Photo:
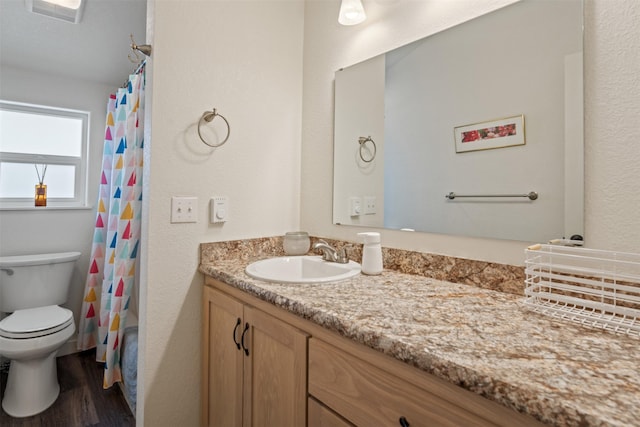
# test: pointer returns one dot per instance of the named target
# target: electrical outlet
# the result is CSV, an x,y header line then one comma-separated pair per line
x,y
369,205
184,209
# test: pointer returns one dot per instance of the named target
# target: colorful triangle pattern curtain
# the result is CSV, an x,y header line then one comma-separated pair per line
x,y
116,237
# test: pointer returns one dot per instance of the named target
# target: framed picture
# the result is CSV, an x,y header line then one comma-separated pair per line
x,y
499,133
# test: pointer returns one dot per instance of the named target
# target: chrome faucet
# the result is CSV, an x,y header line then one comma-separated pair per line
x,y
331,254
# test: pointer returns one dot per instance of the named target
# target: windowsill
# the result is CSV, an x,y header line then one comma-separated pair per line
x,y
44,208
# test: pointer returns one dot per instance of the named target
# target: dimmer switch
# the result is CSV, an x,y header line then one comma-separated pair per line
x,y
219,209
355,206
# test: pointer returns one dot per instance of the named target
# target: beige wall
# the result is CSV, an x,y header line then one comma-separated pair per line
x,y
245,59
612,88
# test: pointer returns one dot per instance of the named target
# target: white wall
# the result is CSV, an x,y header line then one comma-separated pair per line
x,y
245,59
57,230
612,42
612,154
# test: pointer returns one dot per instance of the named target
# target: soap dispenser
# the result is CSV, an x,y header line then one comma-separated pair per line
x,y
371,253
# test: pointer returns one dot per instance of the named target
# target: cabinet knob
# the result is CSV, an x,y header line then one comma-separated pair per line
x,y
403,422
246,328
235,330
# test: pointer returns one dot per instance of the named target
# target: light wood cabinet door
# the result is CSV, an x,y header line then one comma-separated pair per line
x,y
254,366
223,361
275,372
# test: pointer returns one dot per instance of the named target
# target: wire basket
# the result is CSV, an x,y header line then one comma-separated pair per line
x,y
595,288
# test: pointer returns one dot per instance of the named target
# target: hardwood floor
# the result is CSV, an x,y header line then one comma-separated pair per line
x,y
82,401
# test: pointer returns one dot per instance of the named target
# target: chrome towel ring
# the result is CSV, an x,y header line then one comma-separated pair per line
x,y
208,116
363,141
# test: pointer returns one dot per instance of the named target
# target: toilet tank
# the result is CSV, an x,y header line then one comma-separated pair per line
x,y
28,281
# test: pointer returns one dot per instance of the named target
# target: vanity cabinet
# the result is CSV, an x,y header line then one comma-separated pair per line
x,y
298,373
254,366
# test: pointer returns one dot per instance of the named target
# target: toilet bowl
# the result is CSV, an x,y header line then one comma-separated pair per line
x,y
31,338
36,328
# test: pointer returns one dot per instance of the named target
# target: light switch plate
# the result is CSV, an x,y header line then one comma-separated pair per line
x,y
184,209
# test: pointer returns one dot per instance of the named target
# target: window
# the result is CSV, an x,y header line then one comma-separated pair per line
x,y
33,135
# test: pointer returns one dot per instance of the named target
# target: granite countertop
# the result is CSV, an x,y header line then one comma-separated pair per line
x,y
482,340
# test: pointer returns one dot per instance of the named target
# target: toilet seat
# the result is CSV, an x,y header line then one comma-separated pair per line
x,y
35,322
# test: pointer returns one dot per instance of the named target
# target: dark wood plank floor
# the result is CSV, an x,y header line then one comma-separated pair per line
x,y
82,401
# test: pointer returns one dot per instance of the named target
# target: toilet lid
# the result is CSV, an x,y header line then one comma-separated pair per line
x,y
34,322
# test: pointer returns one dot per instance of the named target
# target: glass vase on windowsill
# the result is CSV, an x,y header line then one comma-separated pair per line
x,y
41,188
41,194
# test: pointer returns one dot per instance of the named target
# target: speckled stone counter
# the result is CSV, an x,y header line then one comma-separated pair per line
x,y
482,340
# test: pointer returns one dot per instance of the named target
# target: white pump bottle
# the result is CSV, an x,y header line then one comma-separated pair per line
x,y
371,253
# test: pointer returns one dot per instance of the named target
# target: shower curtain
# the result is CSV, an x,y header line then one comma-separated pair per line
x,y
116,237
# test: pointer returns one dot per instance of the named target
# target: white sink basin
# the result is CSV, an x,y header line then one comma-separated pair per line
x,y
301,269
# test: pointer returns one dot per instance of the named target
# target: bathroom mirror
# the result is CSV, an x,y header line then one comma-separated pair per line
x,y
491,109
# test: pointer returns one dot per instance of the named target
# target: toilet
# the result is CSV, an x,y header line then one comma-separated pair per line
x,y
31,289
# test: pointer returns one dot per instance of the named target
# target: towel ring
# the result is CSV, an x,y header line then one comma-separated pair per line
x,y
362,141
208,116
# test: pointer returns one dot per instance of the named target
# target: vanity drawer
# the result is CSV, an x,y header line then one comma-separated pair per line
x,y
321,416
367,395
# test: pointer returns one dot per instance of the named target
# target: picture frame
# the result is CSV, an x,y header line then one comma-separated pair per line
x,y
488,135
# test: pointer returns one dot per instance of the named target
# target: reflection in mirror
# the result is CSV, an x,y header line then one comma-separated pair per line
x,y
491,107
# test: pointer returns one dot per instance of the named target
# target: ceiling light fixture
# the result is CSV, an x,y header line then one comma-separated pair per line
x,y
66,10
351,12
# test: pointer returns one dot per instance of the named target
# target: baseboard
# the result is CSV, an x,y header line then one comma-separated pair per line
x,y
69,347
